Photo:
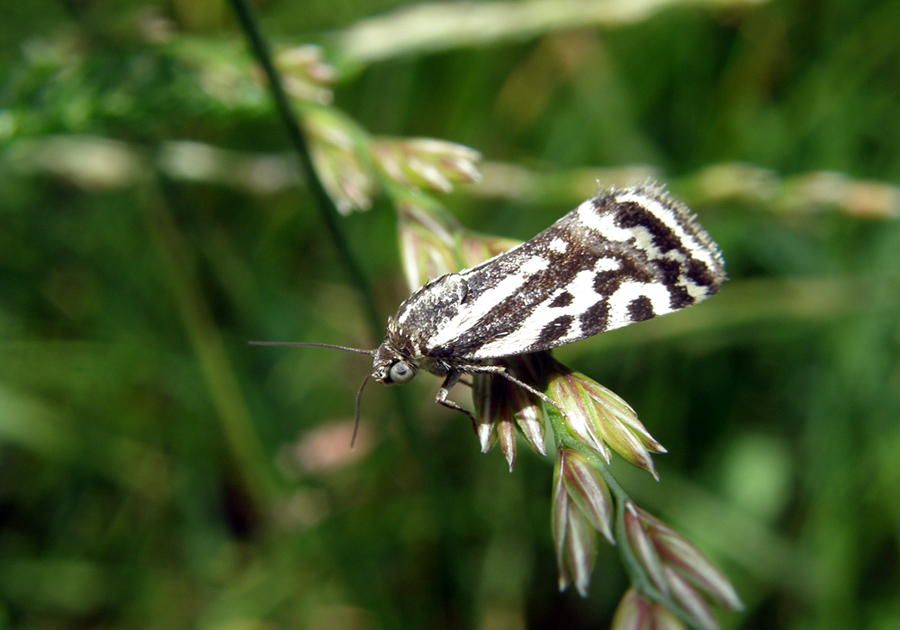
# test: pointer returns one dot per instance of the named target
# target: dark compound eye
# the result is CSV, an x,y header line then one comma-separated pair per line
x,y
401,372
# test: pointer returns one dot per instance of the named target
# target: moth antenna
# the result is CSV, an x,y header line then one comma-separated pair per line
x,y
307,344
358,399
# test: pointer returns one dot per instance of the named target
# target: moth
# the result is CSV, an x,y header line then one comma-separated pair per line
x,y
623,256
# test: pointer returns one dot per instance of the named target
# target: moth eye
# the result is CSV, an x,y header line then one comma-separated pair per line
x,y
401,372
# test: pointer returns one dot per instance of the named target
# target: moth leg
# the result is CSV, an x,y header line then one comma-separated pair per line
x,y
442,399
499,370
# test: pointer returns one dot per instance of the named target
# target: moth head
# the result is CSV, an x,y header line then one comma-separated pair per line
x,y
390,366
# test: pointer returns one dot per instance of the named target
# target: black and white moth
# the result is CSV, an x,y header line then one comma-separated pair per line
x,y
621,257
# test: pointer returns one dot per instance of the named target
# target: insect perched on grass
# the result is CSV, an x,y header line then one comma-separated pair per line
x,y
621,257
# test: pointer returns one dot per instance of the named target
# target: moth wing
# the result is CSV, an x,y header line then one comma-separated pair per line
x,y
620,257
423,314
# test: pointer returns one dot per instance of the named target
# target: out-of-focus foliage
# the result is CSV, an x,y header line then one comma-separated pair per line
x,y
159,473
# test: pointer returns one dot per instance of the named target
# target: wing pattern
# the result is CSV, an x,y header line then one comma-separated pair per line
x,y
620,257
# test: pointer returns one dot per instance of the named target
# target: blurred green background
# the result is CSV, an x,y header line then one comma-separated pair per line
x,y
156,472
